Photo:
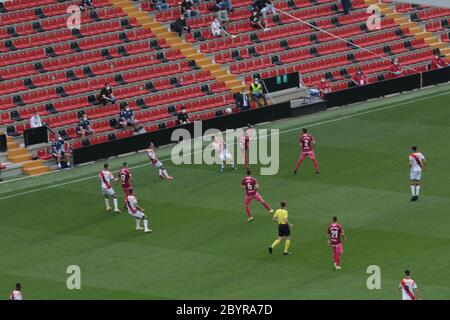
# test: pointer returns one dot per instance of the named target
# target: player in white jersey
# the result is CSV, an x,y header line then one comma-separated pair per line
x,y
417,164
408,287
136,211
157,163
106,178
220,147
16,294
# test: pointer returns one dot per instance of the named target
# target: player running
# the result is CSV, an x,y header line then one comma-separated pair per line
x,y
251,193
335,234
125,178
244,143
408,287
136,211
222,153
106,177
307,143
157,163
417,164
284,231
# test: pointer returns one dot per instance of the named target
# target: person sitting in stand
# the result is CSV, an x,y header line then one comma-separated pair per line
x,y
438,62
359,78
396,69
126,119
268,7
86,4
181,26
256,92
35,120
216,28
183,117
243,100
106,95
58,151
187,9
160,5
257,21
324,87
84,127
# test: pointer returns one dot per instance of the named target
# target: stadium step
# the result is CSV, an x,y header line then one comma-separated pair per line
x,y
35,167
18,155
186,49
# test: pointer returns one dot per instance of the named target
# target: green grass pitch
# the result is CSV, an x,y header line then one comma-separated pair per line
x,y
203,248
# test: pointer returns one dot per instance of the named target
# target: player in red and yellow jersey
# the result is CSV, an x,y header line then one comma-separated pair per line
x,y
251,193
307,143
335,234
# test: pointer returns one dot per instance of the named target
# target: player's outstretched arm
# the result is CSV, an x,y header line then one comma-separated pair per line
x,y
417,293
139,208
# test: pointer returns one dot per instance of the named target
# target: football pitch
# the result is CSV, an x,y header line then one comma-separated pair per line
x,y
203,248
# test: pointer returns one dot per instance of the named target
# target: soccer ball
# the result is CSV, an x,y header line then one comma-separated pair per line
x,y
228,110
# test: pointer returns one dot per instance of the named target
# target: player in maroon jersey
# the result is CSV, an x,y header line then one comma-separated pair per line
x,y
125,178
251,193
335,235
307,143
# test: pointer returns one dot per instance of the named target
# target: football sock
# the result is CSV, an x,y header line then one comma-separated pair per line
x,y
145,223
275,243
286,245
266,205
68,163
116,205
247,211
299,162
223,166
165,173
413,190
316,165
417,190
107,203
59,164
138,223
160,172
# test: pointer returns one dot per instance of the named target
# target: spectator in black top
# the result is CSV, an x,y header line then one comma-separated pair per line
x,y
183,117
187,9
258,5
86,4
243,100
257,21
84,127
181,26
127,119
106,95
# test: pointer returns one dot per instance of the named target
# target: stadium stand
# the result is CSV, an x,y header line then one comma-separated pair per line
x,y
58,72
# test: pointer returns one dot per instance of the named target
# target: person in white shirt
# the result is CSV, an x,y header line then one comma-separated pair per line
x,y
106,178
35,121
16,294
408,287
417,164
136,211
220,148
216,28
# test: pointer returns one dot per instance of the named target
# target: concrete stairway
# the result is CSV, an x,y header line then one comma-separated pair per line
x,y
147,21
19,155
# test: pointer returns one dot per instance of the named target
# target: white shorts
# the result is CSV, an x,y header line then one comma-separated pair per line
x,y
415,175
225,155
137,215
158,164
108,192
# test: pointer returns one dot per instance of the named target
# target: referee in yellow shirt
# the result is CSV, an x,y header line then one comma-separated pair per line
x,y
284,231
